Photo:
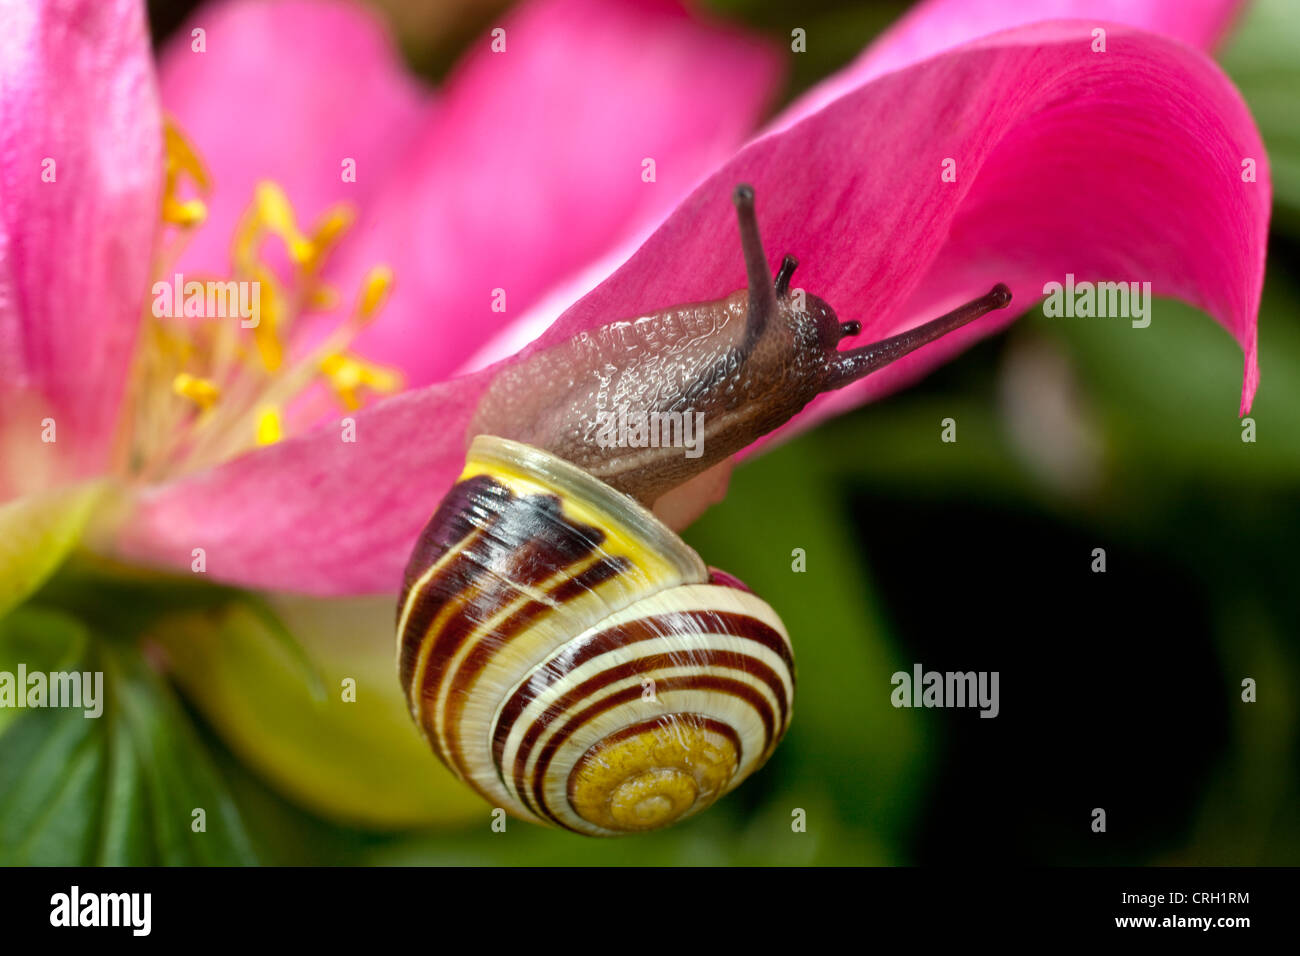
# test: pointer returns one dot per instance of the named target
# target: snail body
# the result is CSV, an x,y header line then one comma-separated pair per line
x,y
563,651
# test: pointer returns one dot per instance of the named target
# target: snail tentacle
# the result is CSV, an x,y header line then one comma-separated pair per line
x,y
782,285
852,365
762,305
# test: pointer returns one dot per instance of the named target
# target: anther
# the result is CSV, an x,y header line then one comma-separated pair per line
x,y
180,157
200,391
347,375
270,428
329,229
276,214
374,291
186,214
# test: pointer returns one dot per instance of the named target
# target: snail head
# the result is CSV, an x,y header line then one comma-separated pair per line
x,y
798,335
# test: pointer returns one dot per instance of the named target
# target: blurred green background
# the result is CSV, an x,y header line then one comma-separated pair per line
x,y
1119,691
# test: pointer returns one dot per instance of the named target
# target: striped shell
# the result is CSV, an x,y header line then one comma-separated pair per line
x,y
572,659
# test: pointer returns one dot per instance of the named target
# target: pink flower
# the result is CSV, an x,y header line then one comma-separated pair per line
x,y
459,191
527,169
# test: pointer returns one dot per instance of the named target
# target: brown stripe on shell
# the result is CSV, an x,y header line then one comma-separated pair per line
x,y
721,623
455,579
489,643
530,542
462,510
508,543
524,539
465,511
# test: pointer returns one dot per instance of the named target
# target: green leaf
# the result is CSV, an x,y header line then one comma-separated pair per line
x,y
41,640
357,757
118,789
36,534
1167,395
132,600
1260,56
1249,817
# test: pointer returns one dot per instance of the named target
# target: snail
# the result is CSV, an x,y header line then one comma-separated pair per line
x,y
562,650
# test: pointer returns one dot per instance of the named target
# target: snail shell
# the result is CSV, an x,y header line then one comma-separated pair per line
x,y
573,660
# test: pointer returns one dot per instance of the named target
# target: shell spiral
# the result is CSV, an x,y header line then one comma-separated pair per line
x,y
573,660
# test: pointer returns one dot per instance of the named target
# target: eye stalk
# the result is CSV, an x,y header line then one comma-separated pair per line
x,y
769,298
852,365
762,290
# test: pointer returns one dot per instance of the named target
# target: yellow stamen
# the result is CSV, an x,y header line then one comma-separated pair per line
x,y
348,375
242,377
184,214
277,215
270,429
180,157
374,292
323,297
329,230
174,346
198,390
248,233
266,333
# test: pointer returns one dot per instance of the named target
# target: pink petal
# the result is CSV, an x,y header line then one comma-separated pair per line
x,y
77,88
316,514
1123,165
934,26
286,91
533,166
930,27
